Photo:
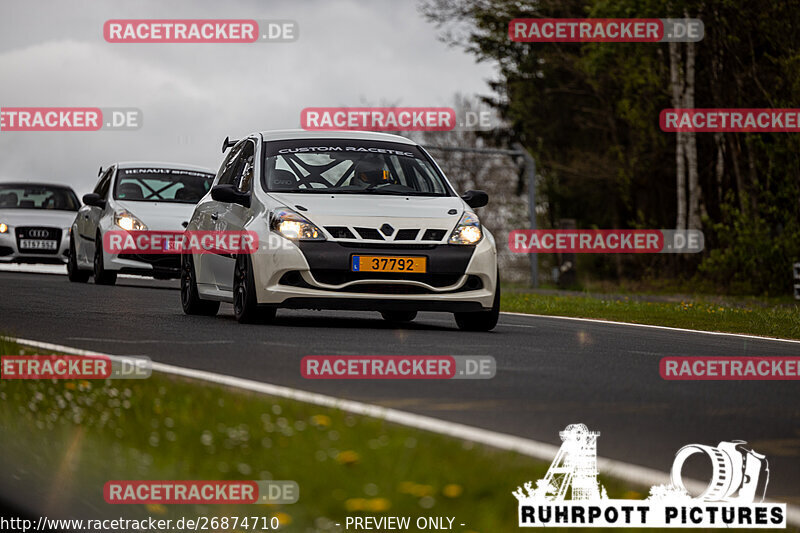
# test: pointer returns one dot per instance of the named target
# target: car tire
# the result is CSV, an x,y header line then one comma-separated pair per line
x,y
481,320
399,316
190,298
101,275
245,304
74,274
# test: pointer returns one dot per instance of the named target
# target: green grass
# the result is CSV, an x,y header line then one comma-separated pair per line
x,y
70,437
750,317
75,436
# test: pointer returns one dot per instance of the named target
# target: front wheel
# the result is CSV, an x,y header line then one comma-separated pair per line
x,y
245,303
74,274
101,275
481,320
190,299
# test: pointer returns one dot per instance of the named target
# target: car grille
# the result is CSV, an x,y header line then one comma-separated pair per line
x,y
39,233
375,234
340,232
406,235
369,233
338,277
294,279
384,247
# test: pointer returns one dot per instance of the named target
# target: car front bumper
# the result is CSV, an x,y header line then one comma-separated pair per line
x,y
318,275
10,251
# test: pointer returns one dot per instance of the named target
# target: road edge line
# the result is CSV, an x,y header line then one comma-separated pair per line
x,y
542,451
654,326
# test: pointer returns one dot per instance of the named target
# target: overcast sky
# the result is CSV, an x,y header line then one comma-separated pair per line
x,y
350,53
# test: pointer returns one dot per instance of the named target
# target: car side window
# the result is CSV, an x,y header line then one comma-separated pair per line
x,y
239,168
245,167
104,183
226,171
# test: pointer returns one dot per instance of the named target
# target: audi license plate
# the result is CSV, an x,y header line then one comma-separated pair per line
x,y
389,263
37,244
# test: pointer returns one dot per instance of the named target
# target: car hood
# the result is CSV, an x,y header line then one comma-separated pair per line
x,y
373,210
37,217
160,216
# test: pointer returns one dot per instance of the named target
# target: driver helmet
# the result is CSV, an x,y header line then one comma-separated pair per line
x,y
370,171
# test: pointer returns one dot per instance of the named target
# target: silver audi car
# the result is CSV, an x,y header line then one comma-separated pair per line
x,y
34,222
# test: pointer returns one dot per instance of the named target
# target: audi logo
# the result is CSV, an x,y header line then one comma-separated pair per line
x,y
38,233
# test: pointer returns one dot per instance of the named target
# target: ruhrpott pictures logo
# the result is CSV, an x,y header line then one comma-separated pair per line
x,y
733,498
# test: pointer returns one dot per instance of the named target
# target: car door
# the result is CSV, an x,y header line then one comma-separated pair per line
x,y
217,268
89,220
234,216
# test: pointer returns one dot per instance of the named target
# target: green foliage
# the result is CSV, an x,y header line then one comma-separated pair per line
x,y
589,113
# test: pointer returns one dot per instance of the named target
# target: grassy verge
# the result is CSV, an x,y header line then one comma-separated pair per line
x,y
740,317
67,438
70,437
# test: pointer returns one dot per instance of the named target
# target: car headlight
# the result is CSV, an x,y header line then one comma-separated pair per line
x,y
128,222
3,228
294,226
468,230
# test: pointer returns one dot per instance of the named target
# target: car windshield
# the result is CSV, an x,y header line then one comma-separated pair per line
x,y
162,185
350,166
21,196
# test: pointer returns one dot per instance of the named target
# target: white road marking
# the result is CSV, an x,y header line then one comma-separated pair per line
x,y
631,473
147,341
668,328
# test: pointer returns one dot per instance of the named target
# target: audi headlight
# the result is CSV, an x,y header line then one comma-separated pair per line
x,y
3,227
468,230
294,226
128,222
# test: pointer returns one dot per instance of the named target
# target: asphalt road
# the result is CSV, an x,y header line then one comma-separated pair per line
x,y
551,372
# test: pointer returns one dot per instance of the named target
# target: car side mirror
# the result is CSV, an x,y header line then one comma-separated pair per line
x,y
475,199
230,195
94,200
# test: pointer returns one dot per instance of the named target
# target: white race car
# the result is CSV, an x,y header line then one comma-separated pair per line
x,y
34,222
134,197
344,220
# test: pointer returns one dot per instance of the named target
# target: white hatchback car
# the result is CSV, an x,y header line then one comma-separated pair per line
x,y
133,197
34,222
345,220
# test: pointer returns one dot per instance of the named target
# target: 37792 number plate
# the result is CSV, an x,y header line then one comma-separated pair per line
x,y
389,263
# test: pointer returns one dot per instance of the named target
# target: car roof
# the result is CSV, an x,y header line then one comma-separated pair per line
x,y
287,135
162,164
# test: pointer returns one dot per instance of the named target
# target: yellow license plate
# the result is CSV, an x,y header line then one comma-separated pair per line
x,y
389,263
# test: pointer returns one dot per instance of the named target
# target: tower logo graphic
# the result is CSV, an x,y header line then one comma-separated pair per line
x,y
570,494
